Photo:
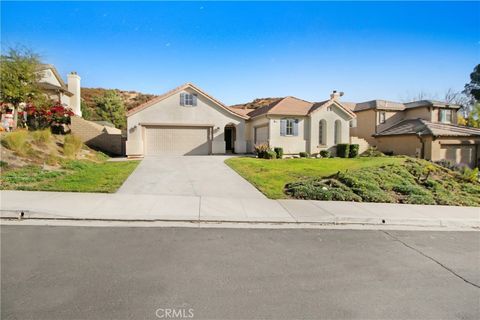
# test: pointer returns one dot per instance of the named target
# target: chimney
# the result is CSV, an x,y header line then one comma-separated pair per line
x,y
74,87
336,95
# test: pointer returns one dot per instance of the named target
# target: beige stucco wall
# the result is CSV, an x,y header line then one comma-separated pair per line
x,y
420,113
366,123
169,111
408,145
330,116
290,144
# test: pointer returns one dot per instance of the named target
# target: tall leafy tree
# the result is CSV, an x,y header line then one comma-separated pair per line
x,y
472,90
110,107
473,87
19,78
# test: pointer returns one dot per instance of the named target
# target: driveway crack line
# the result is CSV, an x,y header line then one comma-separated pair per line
x,y
431,258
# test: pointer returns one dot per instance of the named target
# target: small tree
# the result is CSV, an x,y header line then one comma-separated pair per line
x,y
110,107
19,78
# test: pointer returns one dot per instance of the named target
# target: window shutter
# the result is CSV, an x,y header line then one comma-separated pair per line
x,y
295,127
182,99
194,99
283,127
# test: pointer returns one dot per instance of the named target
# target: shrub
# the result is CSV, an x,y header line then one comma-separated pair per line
x,y
446,164
353,153
72,146
51,160
17,142
325,154
40,117
303,154
42,136
270,155
3,164
372,152
328,189
470,175
343,150
279,152
260,149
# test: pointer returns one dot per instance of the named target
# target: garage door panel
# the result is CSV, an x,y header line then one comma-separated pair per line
x,y
261,135
459,154
177,141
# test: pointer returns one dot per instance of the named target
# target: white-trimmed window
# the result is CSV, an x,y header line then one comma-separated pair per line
x,y
188,99
338,132
322,132
445,115
289,127
382,116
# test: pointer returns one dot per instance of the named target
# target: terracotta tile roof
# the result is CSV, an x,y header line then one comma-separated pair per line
x,y
241,111
423,127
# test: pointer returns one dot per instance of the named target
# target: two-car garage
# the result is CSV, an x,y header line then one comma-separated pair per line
x,y
177,140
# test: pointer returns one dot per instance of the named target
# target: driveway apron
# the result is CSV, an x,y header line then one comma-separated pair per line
x,y
188,176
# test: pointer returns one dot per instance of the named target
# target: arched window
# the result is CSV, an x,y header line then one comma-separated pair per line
x,y
338,131
322,132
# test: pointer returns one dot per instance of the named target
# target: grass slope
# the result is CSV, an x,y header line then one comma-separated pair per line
x,y
414,182
38,160
271,176
75,176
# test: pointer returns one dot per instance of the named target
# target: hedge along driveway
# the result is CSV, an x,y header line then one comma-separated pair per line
x,y
270,176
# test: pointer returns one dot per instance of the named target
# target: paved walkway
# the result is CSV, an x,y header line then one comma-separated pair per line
x,y
188,176
131,207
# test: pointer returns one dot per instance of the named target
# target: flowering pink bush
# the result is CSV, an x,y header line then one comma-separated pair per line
x,y
56,117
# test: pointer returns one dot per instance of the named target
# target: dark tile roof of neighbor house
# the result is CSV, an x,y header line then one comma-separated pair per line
x,y
396,106
426,128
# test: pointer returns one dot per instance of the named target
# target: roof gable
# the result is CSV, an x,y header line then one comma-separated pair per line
x,y
177,90
46,68
324,104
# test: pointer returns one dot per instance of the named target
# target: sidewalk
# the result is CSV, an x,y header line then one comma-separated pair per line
x,y
127,207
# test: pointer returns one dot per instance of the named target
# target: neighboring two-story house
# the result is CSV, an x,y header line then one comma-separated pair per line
x,y
57,90
426,129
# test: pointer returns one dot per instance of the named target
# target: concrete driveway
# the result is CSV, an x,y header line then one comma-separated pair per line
x,y
188,175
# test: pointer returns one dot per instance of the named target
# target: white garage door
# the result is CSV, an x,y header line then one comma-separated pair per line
x,y
176,141
261,135
464,154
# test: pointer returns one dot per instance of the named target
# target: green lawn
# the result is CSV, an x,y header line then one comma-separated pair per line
x,y
75,176
270,176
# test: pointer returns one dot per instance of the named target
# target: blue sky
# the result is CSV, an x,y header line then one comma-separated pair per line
x,y
238,51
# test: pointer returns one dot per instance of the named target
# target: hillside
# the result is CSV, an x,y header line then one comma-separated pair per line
x,y
257,103
131,99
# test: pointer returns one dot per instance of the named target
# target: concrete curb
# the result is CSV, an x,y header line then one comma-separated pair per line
x,y
438,224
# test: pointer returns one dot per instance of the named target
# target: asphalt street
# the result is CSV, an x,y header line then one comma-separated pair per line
x,y
161,273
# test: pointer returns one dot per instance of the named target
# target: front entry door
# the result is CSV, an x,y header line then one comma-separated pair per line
x,y
228,139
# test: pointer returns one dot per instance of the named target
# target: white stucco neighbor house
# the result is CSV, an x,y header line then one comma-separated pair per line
x,y
53,85
188,121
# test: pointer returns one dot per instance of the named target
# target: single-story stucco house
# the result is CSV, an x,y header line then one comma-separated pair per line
x,y
188,121
424,129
